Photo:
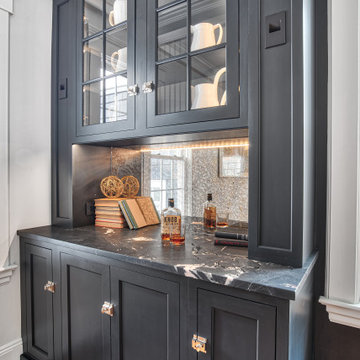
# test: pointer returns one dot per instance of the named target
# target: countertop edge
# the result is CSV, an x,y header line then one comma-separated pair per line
x,y
277,292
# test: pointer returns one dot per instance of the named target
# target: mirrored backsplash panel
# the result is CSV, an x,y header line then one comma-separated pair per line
x,y
187,172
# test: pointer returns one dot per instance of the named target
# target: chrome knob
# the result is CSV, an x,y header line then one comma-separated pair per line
x,y
133,90
50,287
107,309
148,87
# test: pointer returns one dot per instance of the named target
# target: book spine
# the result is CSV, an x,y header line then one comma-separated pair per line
x,y
228,235
239,243
130,215
131,226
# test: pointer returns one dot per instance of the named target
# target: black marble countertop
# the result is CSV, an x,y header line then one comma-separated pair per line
x,y
199,258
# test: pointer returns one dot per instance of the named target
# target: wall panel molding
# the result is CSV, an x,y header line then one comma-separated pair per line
x,y
5,9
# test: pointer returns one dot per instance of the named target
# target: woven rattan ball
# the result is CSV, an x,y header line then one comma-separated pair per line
x,y
112,187
131,186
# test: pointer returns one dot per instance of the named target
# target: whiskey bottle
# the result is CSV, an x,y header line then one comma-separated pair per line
x,y
170,222
209,213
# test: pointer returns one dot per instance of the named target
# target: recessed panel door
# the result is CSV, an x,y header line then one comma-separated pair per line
x,y
235,329
39,302
85,288
146,317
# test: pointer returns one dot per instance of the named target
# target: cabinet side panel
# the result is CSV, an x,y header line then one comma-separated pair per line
x,y
275,133
63,108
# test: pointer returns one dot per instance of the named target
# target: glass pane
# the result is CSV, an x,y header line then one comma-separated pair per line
x,y
116,98
208,79
116,50
172,38
93,59
208,23
116,12
93,17
93,103
164,2
171,88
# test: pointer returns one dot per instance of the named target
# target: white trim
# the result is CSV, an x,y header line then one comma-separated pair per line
x,y
11,346
7,5
6,273
4,135
357,251
342,313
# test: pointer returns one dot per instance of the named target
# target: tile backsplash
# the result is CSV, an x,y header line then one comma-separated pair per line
x,y
188,175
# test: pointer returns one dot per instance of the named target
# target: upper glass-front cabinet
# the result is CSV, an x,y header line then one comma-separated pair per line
x,y
193,66
107,66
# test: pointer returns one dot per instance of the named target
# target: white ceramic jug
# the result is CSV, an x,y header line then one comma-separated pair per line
x,y
119,14
207,95
204,35
120,63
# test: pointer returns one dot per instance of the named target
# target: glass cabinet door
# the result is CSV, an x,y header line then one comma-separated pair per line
x,y
193,61
108,86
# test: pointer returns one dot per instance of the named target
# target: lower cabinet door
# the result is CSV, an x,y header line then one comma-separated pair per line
x,y
39,302
235,329
85,287
145,325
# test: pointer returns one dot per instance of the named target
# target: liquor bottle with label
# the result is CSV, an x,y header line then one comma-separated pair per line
x,y
170,222
209,213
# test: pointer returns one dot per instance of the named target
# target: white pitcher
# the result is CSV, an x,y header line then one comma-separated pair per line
x,y
204,35
119,60
207,95
119,14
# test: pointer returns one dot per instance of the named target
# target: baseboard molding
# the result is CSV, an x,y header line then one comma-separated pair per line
x,y
14,347
341,312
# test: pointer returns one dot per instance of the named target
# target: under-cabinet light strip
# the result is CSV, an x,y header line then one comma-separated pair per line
x,y
197,147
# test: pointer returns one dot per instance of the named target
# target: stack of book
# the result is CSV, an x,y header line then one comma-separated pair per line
x,y
108,214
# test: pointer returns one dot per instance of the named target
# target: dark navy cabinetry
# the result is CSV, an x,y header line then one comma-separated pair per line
x,y
182,69
109,305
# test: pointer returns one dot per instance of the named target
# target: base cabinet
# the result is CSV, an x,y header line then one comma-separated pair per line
x,y
102,308
146,318
235,328
84,287
39,303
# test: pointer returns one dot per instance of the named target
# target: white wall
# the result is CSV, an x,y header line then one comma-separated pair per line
x,y
342,297
29,149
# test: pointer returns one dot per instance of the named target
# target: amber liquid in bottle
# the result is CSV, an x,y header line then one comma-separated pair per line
x,y
170,222
209,213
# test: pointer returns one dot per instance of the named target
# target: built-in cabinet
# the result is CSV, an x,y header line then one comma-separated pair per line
x,y
146,68
79,305
186,68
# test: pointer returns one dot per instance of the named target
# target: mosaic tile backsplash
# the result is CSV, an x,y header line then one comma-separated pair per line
x,y
188,175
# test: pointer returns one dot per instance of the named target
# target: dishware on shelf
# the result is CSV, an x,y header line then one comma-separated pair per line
x,y
204,35
119,60
119,12
207,94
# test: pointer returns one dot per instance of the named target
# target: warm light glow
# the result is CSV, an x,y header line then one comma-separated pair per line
x,y
198,147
